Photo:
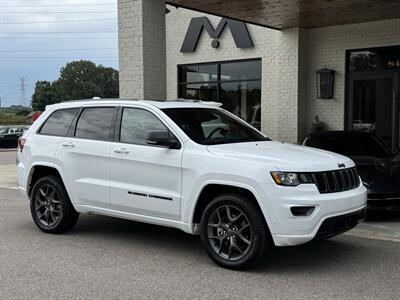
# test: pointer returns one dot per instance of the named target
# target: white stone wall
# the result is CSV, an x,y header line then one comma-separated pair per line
x,y
327,47
278,51
290,59
141,36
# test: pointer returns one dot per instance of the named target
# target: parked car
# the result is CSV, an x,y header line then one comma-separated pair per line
x,y
378,166
9,136
152,162
359,125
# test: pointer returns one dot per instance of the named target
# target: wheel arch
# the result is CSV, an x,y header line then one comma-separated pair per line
x,y
211,190
40,170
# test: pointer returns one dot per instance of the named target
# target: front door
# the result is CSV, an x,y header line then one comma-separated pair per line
x,y
374,105
145,179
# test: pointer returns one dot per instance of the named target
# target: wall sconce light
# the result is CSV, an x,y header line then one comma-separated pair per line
x,y
325,82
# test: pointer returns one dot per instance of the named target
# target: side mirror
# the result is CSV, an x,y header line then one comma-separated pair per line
x,y
162,138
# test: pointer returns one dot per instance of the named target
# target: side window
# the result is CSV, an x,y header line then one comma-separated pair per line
x,y
59,122
96,123
135,125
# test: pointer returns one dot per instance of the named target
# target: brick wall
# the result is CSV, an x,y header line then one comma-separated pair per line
x,y
141,36
278,51
327,47
290,59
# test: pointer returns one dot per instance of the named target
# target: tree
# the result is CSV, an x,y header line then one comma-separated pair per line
x,y
78,80
43,95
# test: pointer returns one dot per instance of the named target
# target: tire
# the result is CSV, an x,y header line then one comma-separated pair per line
x,y
51,208
238,242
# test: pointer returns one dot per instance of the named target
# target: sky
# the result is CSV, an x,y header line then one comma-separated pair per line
x,y
38,37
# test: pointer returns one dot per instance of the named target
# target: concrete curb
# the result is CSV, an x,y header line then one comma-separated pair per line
x,y
8,150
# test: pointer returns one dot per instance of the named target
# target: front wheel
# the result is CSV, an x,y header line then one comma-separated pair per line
x,y
233,232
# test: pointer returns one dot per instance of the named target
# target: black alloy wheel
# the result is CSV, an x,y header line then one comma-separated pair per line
x,y
234,232
51,207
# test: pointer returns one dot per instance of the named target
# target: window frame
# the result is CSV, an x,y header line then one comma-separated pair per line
x,y
73,127
217,82
78,110
118,125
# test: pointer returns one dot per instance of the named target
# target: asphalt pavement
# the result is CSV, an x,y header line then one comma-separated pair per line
x,y
107,258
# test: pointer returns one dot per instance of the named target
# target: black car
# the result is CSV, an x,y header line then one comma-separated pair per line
x,y
9,136
377,164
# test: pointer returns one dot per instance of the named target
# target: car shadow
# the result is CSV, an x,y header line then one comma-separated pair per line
x,y
316,257
126,231
382,216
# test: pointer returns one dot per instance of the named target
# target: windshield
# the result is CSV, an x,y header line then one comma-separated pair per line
x,y
351,145
209,126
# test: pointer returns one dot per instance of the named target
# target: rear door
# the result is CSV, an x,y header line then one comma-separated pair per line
x,y
47,139
84,155
145,179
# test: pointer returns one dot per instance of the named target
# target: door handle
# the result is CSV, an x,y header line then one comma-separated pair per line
x,y
68,145
121,150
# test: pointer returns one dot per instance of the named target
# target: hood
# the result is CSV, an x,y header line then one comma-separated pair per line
x,y
382,175
285,157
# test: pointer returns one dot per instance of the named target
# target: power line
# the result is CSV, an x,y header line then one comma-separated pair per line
x,y
56,50
47,57
60,5
59,38
58,32
57,61
58,21
59,12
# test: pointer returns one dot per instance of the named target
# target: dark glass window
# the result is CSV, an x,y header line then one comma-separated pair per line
x,y
237,85
204,91
199,73
242,70
376,59
136,124
59,122
212,126
96,123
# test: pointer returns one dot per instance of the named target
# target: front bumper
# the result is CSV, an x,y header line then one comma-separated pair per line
x,y
289,230
339,224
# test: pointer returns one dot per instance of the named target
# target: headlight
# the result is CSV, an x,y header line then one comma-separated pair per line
x,y
291,179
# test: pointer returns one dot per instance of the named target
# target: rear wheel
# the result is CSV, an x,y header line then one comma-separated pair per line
x,y
51,207
233,232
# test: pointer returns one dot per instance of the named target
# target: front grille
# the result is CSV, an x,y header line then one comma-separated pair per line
x,y
336,181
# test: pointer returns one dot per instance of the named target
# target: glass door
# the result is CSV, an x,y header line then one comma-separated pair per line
x,y
373,105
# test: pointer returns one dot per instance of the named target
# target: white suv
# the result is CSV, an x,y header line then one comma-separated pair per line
x,y
189,165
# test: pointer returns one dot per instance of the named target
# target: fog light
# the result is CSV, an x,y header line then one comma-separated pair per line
x,y
302,211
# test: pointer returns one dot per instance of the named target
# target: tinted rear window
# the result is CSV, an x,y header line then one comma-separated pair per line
x,y
96,123
350,145
59,122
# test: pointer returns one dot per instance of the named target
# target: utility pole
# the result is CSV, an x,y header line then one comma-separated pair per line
x,y
22,88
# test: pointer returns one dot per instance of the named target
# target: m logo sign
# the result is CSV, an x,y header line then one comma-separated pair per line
x,y
238,29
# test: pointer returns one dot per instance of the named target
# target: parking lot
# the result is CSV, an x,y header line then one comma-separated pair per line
x,y
118,259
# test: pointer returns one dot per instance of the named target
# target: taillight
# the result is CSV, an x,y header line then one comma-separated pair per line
x,y
21,143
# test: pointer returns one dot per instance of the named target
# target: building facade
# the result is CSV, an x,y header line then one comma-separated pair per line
x,y
266,76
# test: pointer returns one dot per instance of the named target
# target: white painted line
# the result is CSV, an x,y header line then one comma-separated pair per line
x,y
9,187
373,236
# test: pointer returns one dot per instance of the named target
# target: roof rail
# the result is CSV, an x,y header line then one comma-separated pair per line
x,y
215,103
